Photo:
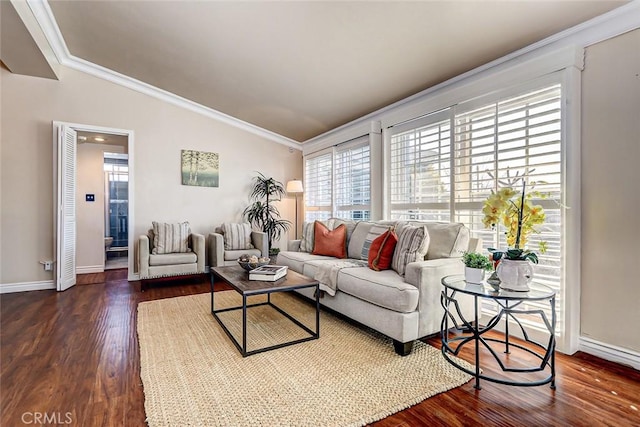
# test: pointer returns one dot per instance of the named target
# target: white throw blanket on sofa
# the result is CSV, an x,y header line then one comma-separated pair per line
x,y
327,274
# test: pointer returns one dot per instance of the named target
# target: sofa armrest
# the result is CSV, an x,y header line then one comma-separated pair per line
x,y
426,276
260,241
143,256
294,245
216,250
198,247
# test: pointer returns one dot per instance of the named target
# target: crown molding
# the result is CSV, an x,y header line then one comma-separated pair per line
x,y
25,13
608,25
45,19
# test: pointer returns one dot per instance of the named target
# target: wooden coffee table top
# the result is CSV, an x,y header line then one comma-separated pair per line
x,y
238,278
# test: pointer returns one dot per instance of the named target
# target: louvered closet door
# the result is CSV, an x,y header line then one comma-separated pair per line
x,y
66,238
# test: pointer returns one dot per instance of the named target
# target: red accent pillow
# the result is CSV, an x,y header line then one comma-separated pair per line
x,y
330,242
381,250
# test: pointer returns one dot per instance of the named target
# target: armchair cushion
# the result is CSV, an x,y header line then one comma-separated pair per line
x,y
171,259
170,238
237,236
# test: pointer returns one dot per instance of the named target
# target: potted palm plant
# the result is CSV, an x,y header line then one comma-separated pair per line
x,y
475,265
263,214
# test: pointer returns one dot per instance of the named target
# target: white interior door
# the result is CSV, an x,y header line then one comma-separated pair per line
x,y
66,236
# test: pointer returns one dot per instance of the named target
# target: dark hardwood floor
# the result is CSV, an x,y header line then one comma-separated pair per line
x,y
73,356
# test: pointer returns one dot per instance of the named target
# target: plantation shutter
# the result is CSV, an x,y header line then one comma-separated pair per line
x,y
318,187
353,181
519,134
420,169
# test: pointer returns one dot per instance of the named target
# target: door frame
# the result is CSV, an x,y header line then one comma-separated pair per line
x,y
78,127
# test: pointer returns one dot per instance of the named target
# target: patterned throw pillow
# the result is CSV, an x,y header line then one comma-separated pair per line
x,y
413,245
170,238
330,242
237,236
374,232
306,242
381,251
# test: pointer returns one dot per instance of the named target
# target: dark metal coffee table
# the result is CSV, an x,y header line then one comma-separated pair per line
x,y
238,279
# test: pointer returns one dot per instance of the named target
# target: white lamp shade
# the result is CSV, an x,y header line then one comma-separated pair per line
x,y
294,187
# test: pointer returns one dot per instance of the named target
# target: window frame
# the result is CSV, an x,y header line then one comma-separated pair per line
x,y
334,210
569,80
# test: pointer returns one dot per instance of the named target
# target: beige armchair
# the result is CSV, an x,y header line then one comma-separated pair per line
x,y
189,260
219,256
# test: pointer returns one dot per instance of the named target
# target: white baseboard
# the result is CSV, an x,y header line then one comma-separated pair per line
x,y
7,288
613,353
86,269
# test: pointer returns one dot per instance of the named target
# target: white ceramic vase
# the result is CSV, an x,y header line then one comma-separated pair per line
x,y
515,275
473,275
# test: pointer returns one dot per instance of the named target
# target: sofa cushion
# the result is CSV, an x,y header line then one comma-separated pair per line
x,y
412,246
358,237
448,240
306,241
375,231
170,238
383,288
330,242
297,260
310,267
234,255
173,259
333,223
381,251
237,236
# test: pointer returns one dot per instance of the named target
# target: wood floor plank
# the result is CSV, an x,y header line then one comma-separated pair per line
x,y
77,352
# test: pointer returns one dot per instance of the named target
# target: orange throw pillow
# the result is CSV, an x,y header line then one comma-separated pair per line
x,y
330,242
381,251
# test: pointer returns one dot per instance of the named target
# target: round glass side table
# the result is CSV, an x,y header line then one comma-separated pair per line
x,y
512,306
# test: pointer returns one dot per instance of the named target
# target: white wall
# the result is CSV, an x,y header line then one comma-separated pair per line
x,y
90,230
610,306
29,105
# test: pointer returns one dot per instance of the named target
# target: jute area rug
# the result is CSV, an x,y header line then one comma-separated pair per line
x,y
194,376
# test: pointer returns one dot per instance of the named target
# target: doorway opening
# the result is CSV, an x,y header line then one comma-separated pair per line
x,y
116,210
93,209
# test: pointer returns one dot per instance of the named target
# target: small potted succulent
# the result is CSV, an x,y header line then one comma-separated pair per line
x,y
475,266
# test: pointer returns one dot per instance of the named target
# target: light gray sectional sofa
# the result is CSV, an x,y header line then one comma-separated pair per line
x,y
404,308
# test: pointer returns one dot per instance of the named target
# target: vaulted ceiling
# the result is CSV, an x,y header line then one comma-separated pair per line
x,y
302,68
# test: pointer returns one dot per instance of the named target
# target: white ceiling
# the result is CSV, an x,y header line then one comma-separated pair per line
x,y
302,68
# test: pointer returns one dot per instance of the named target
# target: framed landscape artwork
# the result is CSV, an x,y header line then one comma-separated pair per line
x,y
200,168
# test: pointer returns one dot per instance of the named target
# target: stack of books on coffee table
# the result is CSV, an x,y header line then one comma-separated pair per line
x,y
268,273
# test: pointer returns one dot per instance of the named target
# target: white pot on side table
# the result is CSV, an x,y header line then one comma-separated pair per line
x,y
473,275
515,275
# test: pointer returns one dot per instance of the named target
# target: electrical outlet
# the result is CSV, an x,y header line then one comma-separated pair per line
x,y
48,265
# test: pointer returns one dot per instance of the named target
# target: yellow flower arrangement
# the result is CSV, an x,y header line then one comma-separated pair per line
x,y
516,211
